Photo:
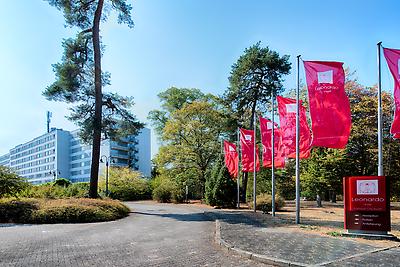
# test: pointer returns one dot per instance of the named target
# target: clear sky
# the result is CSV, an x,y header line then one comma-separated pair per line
x,y
183,43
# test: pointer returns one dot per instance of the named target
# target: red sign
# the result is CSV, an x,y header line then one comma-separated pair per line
x,y
366,203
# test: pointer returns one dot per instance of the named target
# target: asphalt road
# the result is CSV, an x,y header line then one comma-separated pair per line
x,y
153,235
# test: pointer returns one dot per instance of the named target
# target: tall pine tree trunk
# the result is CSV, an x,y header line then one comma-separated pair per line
x,y
94,172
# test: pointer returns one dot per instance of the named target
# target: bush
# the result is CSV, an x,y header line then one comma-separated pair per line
x,y
220,187
54,191
224,189
16,210
210,184
44,191
78,190
126,184
165,191
264,202
62,182
10,183
73,210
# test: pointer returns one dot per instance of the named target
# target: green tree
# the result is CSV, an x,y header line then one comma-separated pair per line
x,y
323,173
191,141
256,74
224,191
220,187
11,183
79,77
171,100
210,183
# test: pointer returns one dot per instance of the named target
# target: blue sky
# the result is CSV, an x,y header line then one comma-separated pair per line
x,y
183,43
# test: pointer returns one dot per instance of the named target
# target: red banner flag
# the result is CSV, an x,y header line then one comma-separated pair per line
x,y
247,147
231,159
266,138
287,118
393,60
329,105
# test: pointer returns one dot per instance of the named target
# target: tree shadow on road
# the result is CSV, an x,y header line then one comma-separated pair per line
x,y
228,217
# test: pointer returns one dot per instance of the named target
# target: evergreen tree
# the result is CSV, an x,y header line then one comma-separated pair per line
x,y
256,74
79,77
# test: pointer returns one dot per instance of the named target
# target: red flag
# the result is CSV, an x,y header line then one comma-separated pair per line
x,y
266,138
247,147
329,105
393,60
287,118
231,159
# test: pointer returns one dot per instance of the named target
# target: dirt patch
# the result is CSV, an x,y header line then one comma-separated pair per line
x,y
325,221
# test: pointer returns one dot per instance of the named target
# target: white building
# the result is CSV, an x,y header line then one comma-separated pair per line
x,y
61,153
5,160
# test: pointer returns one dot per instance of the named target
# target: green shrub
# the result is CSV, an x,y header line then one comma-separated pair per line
x,y
16,210
165,191
44,191
78,190
264,202
210,184
52,191
126,184
73,210
10,183
220,187
224,189
162,193
62,182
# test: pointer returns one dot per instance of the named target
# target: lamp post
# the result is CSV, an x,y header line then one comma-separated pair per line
x,y
107,160
55,173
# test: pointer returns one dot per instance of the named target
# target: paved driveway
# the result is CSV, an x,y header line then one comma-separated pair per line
x,y
153,235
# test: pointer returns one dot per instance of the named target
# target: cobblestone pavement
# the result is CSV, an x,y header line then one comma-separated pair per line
x,y
153,235
303,249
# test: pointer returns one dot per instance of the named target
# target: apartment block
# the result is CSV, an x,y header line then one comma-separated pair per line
x,y
61,153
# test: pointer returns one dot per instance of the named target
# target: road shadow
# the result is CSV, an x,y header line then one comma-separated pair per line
x,y
208,216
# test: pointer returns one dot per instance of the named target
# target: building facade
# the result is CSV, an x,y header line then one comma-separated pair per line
x,y
5,160
61,153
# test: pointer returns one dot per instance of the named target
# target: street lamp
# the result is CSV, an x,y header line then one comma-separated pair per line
x,y
55,173
108,160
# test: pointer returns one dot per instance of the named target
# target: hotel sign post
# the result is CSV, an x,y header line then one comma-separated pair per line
x,y
366,205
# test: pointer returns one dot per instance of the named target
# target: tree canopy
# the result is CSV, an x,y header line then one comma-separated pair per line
x,y
256,74
171,100
192,141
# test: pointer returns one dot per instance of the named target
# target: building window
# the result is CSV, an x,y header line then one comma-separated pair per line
x,y
76,150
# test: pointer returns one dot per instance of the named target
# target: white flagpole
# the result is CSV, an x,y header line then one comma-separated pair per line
x,y
255,164
380,160
298,143
237,179
273,153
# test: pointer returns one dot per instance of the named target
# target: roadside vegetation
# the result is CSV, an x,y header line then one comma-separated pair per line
x,y
69,210
55,202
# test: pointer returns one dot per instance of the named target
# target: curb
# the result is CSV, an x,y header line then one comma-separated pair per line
x,y
249,255
280,262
